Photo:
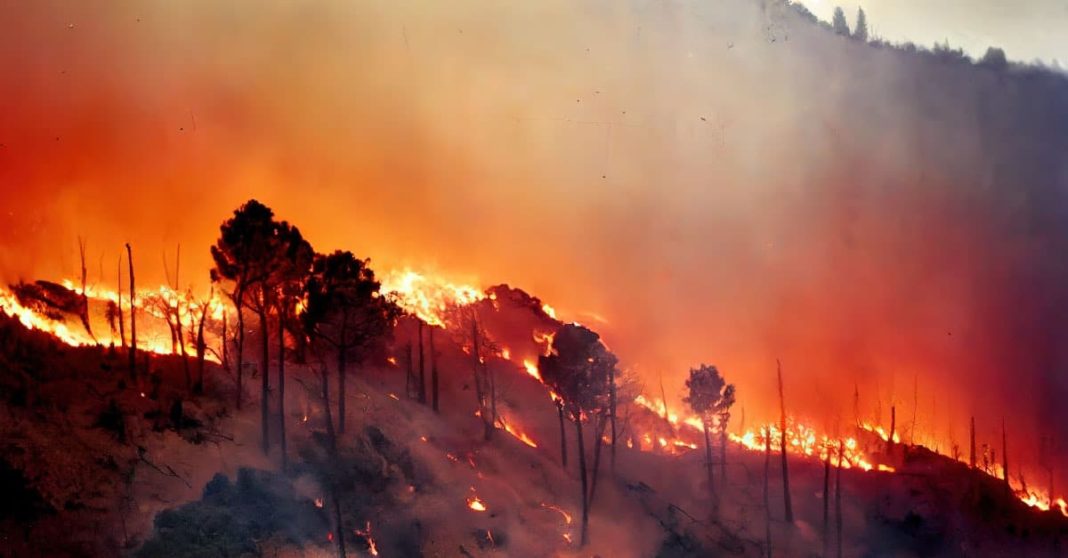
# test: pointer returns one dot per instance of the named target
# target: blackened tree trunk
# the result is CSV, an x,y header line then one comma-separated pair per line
x,y
282,384
563,433
409,380
331,435
265,385
202,347
612,411
1005,458
838,497
827,504
582,476
339,527
893,428
433,372
598,443
723,456
787,503
178,319
133,316
422,367
84,310
342,365
971,458
122,319
708,465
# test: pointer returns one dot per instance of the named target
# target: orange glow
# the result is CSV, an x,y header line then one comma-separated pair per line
x,y
522,437
474,503
532,369
428,297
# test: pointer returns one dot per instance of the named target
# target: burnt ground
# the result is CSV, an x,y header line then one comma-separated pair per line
x,y
91,465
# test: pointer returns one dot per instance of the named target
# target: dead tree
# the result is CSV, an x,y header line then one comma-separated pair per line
x,y
175,312
612,413
282,385
133,316
83,311
202,347
787,503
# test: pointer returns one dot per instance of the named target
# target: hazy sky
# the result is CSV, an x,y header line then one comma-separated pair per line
x,y
1026,29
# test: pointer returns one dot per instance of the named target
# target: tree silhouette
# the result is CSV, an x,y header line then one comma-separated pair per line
x,y
289,277
246,254
344,312
994,58
709,397
465,326
838,22
579,369
860,29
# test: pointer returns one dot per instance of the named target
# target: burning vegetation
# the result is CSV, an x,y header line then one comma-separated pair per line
x,y
469,360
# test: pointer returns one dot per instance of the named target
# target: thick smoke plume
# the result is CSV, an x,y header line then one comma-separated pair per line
x,y
701,182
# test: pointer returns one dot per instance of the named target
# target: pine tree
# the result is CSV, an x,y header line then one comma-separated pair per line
x,y
838,23
860,30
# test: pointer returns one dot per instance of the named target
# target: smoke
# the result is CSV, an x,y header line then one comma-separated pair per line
x,y
719,183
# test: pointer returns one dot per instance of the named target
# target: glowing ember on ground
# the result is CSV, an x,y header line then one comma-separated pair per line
x,y
474,503
518,435
372,548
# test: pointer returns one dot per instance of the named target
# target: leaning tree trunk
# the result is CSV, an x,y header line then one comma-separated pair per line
x,y
282,385
133,317
563,433
709,466
265,385
582,475
787,503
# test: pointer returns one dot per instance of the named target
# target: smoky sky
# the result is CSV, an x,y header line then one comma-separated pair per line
x,y
701,182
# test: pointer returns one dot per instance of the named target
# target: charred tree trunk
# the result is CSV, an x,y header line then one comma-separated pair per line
x,y
563,433
787,503
582,476
225,343
893,428
282,384
342,365
433,373
265,384
971,455
202,347
709,466
340,529
122,319
240,346
827,504
723,456
409,379
481,386
612,412
178,321
133,316
422,367
767,492
84,310
1005,458
838,497
331,436
598,443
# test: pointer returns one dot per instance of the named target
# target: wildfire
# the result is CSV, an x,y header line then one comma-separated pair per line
x,y
517,434
372,548
474,503
428,297
532,369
